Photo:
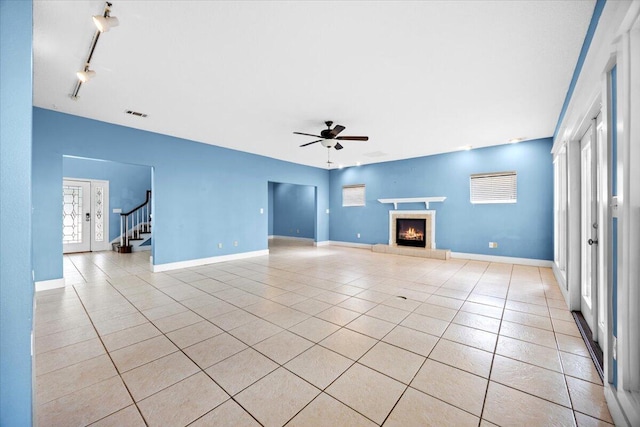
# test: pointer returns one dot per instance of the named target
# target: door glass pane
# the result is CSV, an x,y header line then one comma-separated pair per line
x,y
98,207
71,214
587,221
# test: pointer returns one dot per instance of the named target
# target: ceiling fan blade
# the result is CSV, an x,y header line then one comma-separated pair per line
x,y
338,146
353,138
307,134
309,143
336,130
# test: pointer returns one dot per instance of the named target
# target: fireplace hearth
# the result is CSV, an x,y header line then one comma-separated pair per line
x,y
425,250
411,232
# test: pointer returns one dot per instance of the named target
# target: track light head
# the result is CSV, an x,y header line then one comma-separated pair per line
x,y
104,23
85,75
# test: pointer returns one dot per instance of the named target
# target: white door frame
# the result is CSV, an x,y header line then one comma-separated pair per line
x,y
99,213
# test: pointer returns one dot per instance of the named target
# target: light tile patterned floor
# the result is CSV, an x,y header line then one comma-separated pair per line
x,y
308,336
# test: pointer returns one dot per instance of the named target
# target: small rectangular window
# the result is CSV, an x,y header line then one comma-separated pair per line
x,y
496,187
353,195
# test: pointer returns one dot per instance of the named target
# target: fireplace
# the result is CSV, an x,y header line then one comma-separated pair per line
x,y
411,232
426,226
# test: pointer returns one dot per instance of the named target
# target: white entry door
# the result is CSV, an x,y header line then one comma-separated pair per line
x,y
589,231
85,220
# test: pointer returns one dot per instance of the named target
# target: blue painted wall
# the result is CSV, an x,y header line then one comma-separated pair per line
x,y
203,194
270,210
294,210
593,24
523,230
16,285
128,184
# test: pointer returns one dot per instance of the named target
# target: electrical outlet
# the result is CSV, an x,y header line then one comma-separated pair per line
x,y
261,210
358,235
493,245
219,245
297,231
235,243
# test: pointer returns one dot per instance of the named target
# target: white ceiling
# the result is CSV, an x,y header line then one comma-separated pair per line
x,y
418,78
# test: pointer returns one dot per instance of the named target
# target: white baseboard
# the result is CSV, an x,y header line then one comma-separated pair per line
x,y
323,243
503,259
303,239
270,237
350,244
46,285
203,261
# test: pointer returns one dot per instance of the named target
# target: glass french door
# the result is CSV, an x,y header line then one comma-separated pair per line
x,y
85,216
592,292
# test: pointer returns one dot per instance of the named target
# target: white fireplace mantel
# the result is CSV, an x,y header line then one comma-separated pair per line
x,y
425,200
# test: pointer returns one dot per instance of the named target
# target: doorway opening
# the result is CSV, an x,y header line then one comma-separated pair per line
x,y
292,214
591,318
95,193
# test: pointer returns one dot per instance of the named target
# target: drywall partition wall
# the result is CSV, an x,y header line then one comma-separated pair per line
x,y
270,208
203,195
128,184
522,230
294,210
16,285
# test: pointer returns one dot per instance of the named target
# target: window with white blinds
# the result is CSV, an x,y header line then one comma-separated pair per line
x,y
497,187
353,195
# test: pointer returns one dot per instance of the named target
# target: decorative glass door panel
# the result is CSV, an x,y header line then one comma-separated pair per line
x,y
85,215
76,216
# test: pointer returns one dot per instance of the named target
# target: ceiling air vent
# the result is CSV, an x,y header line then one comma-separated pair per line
x,y
135,113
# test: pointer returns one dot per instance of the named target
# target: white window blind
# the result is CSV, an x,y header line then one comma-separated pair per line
x,y
498,187
353,195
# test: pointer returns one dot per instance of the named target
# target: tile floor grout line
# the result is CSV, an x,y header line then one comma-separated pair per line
x,y
200,369
493,356
243,270
112,361
279,365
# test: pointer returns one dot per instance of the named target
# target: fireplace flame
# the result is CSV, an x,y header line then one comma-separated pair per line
x,y
412,234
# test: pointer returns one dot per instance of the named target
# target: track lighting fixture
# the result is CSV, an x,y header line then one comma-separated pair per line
x,y
103,23
86,74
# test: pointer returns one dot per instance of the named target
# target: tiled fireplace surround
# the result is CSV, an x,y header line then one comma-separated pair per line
x,y
429,229
429,251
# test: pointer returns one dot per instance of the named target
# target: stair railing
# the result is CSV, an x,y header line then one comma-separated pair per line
x,y
136,221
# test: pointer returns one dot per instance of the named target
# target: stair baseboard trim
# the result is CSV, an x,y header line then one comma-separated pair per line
x,y
503,259
204,261
350,244
46,285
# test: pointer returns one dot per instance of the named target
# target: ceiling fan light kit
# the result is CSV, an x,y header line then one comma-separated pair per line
x,y
329,138
103,23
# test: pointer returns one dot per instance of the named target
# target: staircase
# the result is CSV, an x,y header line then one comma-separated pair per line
x,y
135,229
